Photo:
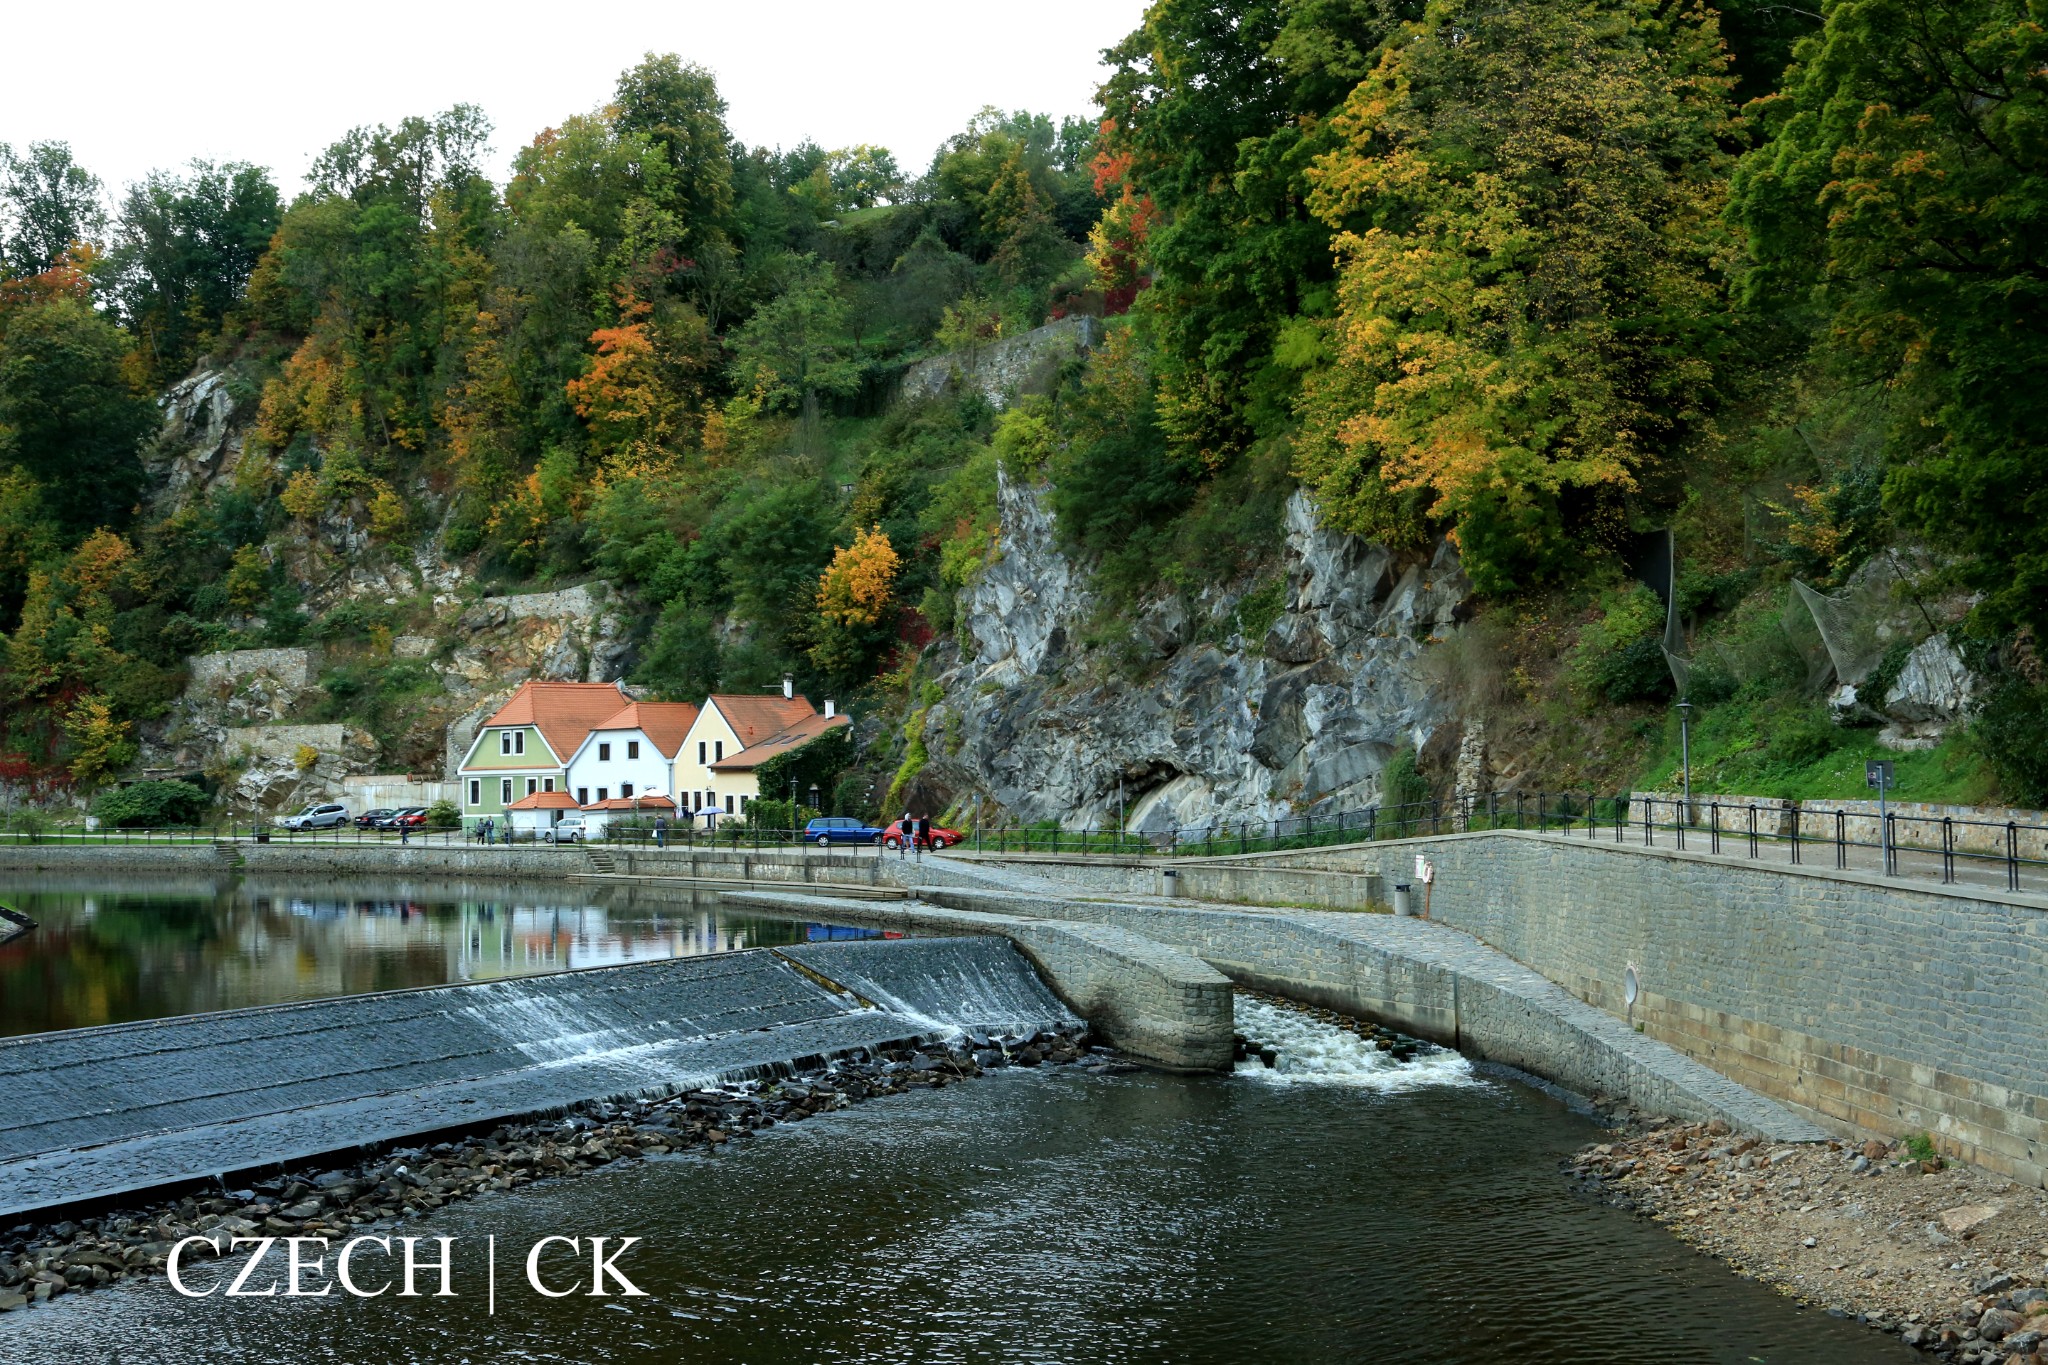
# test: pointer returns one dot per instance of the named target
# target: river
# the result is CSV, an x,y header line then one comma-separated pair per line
x,y
1334,1207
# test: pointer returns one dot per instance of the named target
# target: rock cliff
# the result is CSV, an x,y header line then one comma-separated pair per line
x,y
1226,718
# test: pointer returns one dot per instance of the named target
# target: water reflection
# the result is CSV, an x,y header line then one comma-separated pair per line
x,y
109,951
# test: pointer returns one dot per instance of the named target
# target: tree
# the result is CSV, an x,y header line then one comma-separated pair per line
x,y
793,349
678,109
865,175
69,417
186,248
1898,206
1529,297
99,741
48,204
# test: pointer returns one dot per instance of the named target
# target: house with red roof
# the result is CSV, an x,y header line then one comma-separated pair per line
x,y
524,748
631,753
733,735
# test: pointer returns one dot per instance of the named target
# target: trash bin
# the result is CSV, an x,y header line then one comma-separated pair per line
x,y
1169,881
1402,905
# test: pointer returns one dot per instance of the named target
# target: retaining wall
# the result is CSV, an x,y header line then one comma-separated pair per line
x,y
1159,1005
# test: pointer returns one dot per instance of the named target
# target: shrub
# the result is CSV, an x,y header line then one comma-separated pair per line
x,y
1801,741
2011,732
1401,783
443,815
1619,658
151,804
305,758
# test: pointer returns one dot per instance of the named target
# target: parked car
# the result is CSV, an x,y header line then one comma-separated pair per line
x,y
407,817
941,836
570,829
326,815
370,819
827,830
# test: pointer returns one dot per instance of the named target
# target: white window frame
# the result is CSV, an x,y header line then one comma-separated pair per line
x,y
476,791
504,791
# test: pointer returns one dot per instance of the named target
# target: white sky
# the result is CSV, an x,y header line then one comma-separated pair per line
x,y
152,85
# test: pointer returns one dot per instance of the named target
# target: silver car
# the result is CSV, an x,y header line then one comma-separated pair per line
x,y
325,815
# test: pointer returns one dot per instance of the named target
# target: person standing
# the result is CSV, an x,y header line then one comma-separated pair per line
x,y
661,831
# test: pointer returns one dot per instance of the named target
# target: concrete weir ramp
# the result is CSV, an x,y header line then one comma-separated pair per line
x,y
92,1113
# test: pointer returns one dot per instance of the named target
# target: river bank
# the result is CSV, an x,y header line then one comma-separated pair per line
x,y
39,1262
1950,1259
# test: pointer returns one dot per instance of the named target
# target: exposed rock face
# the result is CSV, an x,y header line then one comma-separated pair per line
x,y
1003,369
1222,728
1934,684
200,441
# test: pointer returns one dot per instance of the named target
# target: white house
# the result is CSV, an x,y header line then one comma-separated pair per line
x,y
631,753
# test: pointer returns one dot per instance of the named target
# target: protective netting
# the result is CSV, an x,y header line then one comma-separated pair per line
x,y
1657,569
1852,628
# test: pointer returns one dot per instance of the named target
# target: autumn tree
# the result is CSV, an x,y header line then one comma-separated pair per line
x,y
1528,200
855,594
1898,205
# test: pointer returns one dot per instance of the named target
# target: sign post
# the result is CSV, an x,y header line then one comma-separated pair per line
x,y
1877,772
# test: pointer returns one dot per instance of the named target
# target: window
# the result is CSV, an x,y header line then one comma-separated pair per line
x,y
701,748
745,801
604,793
604,753
504,791
519,741
718,752
547,784
504,741
531,786
728,804
632,748
476,791
511,741
625,789
583,796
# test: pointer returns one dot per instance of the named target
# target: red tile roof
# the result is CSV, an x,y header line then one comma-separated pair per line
x,y
544,801
797,735
754,718
664,722
633,803
563,712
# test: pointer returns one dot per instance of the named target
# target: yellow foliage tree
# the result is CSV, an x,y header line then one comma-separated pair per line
x,y
302,495
244,583
388,515
99,743
854,590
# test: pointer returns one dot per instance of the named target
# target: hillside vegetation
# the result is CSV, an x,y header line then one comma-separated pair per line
x,y
1537,277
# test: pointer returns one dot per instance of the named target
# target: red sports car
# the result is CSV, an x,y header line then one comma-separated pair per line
x,y
942,837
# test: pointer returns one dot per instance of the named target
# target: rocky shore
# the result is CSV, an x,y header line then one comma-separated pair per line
x,y
39,1262
1951,1260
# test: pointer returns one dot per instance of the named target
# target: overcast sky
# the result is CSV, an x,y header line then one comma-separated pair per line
x,y
133,87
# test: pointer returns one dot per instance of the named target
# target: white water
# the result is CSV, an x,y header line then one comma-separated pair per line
x,y
1315,1053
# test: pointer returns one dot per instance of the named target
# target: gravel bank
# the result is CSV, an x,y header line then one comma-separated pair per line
x,y
1952,1260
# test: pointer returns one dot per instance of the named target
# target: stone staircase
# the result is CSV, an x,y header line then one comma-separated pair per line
x,y
601,859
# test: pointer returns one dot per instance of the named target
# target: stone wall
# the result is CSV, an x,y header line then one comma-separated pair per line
x,y
294,668
1002,369
372,791
1877,1006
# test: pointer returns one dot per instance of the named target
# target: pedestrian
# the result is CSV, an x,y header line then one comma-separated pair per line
x,y
905,832
405,831
661,831
919,827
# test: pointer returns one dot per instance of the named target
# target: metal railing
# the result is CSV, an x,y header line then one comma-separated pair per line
x,y
1948,848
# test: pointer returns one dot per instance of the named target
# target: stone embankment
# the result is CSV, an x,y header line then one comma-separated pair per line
x,y
1952,1260
381,1190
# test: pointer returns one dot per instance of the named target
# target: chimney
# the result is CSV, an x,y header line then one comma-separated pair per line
x,y
831,708
789,685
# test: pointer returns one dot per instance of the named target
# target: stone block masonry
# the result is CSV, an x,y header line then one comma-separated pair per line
x,y
1876,1006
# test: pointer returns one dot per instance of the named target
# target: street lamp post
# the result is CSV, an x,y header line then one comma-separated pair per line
x,y
1685,752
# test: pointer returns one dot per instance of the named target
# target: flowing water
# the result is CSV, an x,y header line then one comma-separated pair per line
x,y
1337,1206
108,951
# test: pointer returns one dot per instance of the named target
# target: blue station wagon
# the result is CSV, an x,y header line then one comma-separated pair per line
x,y
827,830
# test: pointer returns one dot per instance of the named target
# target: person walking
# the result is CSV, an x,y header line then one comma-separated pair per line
x,y
918,835
661,831
404,831
905,835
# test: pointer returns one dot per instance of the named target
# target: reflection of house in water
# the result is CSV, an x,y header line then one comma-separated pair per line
x,y
500,938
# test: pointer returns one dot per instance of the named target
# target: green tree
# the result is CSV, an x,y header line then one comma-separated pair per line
x,y
186,247
794,347
1898,206
48,204
69,418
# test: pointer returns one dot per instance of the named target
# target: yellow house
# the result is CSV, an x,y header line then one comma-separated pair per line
x,y
733,735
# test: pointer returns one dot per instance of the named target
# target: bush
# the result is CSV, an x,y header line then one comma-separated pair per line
x,y
443,815
1801,741
1619,658
1401,783
2011,732
151,804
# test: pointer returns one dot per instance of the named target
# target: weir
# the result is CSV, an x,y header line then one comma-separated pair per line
x,y
88,1114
